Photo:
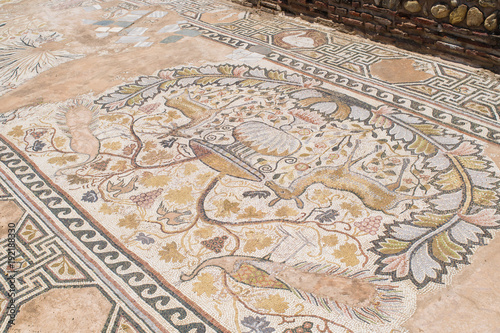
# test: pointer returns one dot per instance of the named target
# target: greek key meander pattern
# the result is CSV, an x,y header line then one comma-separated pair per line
x,y
446,88
286,179
41,250
207,226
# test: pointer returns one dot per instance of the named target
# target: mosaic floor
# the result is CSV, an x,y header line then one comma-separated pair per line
x,y
196,166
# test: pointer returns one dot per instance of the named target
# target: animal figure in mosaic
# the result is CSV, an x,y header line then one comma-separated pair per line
x,y
121,187
79,121
264,273
195,111
171,217
372,193
324,287
297,40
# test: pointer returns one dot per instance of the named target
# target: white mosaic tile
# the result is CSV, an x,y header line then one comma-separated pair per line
x,y
158,14
170,28
137,31
143,44
130,18
92,8
131,39
245,56
140,12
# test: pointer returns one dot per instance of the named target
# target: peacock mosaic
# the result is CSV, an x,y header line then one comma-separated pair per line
x,y
273,201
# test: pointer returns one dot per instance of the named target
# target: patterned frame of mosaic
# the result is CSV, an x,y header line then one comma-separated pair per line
x,y
45,203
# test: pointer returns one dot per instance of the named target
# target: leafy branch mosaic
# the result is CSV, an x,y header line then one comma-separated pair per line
x,y
270,194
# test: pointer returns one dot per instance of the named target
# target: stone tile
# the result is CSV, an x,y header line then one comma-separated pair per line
x,y
140,12
260,49
470,304
221,16
123,24
10,212
104,23
131,39
64,310
85,21
171,39
157,14
143,44
187,32
92,8
130,18
399,71
137,31
245,56
358,81
169,28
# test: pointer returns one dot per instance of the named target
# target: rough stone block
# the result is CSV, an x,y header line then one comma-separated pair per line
x,y
474,17
320,4
334,17
417,39
382,20
353,22
450,47
458,14
440,11
407,25
412,6
341,11
398,32
366,16
424,21
370,26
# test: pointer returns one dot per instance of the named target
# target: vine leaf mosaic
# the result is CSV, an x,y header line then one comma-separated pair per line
x,y
240,183
420,248
148,86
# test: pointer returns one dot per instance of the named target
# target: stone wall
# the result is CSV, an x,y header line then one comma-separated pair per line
x,y
462,30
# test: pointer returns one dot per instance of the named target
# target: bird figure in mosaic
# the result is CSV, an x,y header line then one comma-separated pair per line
x,y
297,40
121,187
362,296
171,217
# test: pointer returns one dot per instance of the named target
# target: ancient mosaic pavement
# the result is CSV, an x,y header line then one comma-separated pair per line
x,y
306,182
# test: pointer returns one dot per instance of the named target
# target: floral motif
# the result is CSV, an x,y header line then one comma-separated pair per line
x,y
90,196
328,216
257,325
38,145
144,239
280,210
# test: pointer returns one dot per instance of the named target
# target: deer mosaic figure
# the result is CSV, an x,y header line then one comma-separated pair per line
x,y
196,112
372,193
